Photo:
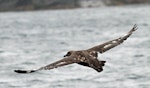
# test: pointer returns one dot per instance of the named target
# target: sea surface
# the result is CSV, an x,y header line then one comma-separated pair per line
x,y
31,39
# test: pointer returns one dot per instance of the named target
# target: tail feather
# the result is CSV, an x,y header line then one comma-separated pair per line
x,y
102,63
25,71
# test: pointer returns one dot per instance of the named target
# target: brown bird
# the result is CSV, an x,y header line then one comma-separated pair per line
x,y
87,57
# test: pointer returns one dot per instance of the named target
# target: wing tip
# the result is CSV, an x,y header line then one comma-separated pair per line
x,y
24,71
135,27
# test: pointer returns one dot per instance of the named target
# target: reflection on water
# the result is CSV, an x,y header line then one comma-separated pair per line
x,y
32,39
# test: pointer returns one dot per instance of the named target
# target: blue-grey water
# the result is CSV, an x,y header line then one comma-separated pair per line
x,y
29,40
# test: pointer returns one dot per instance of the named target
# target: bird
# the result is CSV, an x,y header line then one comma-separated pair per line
x,y
87,57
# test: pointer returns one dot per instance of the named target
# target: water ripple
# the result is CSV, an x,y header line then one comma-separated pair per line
x,y
31,39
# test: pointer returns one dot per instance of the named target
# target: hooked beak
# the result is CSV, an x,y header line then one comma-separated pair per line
x,y
65,55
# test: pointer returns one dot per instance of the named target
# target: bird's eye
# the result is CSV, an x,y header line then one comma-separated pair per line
x,y
68,54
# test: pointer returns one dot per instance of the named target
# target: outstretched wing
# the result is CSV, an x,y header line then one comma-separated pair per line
x,y
110,44
62,62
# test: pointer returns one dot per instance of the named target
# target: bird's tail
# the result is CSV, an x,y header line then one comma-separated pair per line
x,y
25,71
102,63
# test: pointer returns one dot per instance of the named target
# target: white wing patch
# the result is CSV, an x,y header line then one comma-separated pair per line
x,y
113,42
124,35
106,46
61,63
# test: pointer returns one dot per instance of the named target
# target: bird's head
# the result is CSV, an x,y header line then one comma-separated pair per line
x,y
68,53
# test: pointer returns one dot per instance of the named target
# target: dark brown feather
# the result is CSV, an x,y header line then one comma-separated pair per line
x,y
110,44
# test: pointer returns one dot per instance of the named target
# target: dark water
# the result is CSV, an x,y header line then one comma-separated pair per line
x,y
29,40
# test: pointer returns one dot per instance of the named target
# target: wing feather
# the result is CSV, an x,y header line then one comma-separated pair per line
x,y
110,44
62,62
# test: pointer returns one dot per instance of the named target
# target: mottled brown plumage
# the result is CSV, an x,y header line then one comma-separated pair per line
x,y
87,57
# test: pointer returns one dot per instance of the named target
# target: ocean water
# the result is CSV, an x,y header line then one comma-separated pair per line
x,y
29,40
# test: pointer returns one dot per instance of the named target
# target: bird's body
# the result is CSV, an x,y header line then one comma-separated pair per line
x,y
87,57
